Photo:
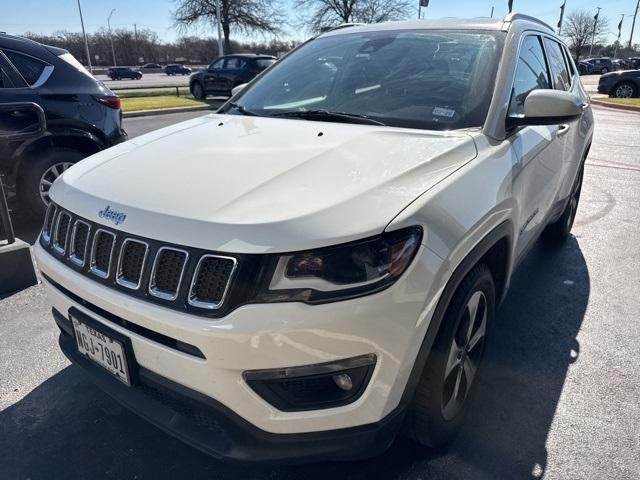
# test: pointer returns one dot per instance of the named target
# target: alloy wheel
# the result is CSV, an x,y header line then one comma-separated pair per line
x,y
464,355
624,91
49,176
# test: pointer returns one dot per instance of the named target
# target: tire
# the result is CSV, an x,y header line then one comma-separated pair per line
x,y
39,170
624,90
558,231
436,413
604,70
197,91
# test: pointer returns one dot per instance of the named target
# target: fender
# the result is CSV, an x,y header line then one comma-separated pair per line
x,y
503,231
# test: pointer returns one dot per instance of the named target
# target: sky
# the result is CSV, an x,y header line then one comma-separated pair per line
x,y
48,16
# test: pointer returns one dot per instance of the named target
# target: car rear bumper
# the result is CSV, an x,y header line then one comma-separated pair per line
x,y
209,426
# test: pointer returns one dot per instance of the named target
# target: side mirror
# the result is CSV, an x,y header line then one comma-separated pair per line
x,y
237,89
21,120
547,107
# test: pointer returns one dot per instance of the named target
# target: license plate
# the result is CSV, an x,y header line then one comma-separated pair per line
x,y
103,350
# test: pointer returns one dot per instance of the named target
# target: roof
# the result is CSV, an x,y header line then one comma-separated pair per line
x,y
453,23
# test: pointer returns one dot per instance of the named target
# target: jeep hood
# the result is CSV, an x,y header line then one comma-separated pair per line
x,y
255,185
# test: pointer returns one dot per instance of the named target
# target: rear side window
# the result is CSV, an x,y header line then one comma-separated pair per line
x,y
234,63
531,73
263,63
558,67
29,67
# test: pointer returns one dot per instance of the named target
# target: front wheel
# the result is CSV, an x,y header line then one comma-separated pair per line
x,y
625,90
198,91
442,395
604,70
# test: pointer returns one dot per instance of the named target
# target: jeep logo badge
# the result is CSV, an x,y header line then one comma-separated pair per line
x,y
115,217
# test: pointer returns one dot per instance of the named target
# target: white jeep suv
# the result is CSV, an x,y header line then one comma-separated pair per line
x,y
315,267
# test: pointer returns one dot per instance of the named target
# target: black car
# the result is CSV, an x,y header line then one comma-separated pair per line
x,y
82,116
601,65
118,73
228,72
624,84
634,62
151,66
177,69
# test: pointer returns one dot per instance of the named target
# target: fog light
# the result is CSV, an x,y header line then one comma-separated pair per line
x,y
343,381
312,387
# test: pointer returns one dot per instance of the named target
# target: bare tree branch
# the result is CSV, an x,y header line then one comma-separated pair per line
x,y
579,31
322,14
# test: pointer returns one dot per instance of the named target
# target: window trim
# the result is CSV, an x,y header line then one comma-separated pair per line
x,y
44,75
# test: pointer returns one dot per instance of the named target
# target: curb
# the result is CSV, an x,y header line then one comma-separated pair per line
x,y
617,106
166,111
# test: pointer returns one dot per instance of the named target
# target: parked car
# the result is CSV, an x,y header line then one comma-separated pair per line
x,y
151,66
322,268
634,62
83,117
625,84
585,68
177,69
228,72
118,73
620,64
601,65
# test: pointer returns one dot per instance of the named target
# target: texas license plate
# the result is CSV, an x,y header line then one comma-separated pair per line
x,y
102,349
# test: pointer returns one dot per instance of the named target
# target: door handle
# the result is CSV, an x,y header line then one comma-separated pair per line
x,y
562,130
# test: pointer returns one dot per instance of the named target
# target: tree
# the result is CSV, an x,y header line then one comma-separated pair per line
x,y
246,16
328,13
579,30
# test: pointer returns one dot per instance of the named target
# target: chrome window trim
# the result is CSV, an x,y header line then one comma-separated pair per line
x,y
61,249
46,234
72,253
194,302
44,76
119,278
152,280
92,265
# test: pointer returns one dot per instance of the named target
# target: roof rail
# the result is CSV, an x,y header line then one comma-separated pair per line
x,y
341,26
510,17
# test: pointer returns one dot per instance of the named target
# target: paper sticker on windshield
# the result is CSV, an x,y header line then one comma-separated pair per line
x,y
443,112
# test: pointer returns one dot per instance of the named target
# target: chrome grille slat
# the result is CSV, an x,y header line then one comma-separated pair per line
x,y
79,242
168,270
48,223
102,253
131,263
211,281
61,233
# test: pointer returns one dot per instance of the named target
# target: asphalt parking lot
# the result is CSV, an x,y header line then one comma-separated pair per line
x,y
558,398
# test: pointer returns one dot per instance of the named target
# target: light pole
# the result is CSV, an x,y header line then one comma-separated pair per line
x,y
562,7
220,47
84,34
633,24
113,50
422,3
593,36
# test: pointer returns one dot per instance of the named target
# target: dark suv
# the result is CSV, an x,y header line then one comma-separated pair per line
x,y
82,117
601,65
228,72
177,69
118,73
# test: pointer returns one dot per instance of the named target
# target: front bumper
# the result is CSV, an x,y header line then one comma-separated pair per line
x,y
390,325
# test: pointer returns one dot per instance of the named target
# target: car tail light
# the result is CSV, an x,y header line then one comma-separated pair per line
x,y
111,101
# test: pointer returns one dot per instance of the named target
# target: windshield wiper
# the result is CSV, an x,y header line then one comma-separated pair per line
x,y
243,110
326,115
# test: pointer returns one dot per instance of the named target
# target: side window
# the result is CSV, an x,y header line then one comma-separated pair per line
x,y
569,62
217,65
29,67
556,62
234,63
531,73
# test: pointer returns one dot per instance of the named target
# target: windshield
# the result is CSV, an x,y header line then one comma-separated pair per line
x,y
428,79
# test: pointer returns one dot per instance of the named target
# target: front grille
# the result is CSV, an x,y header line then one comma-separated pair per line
x,y
168,269
132,257
209,285
61,232
101,252
182,278
79,242
48,223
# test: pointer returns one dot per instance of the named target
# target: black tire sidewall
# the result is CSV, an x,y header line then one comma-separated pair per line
x,y
31,172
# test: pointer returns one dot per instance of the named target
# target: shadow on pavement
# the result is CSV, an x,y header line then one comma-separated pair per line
x,y
66,428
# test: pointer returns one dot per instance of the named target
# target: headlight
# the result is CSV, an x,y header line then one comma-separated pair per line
x,y
343,271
